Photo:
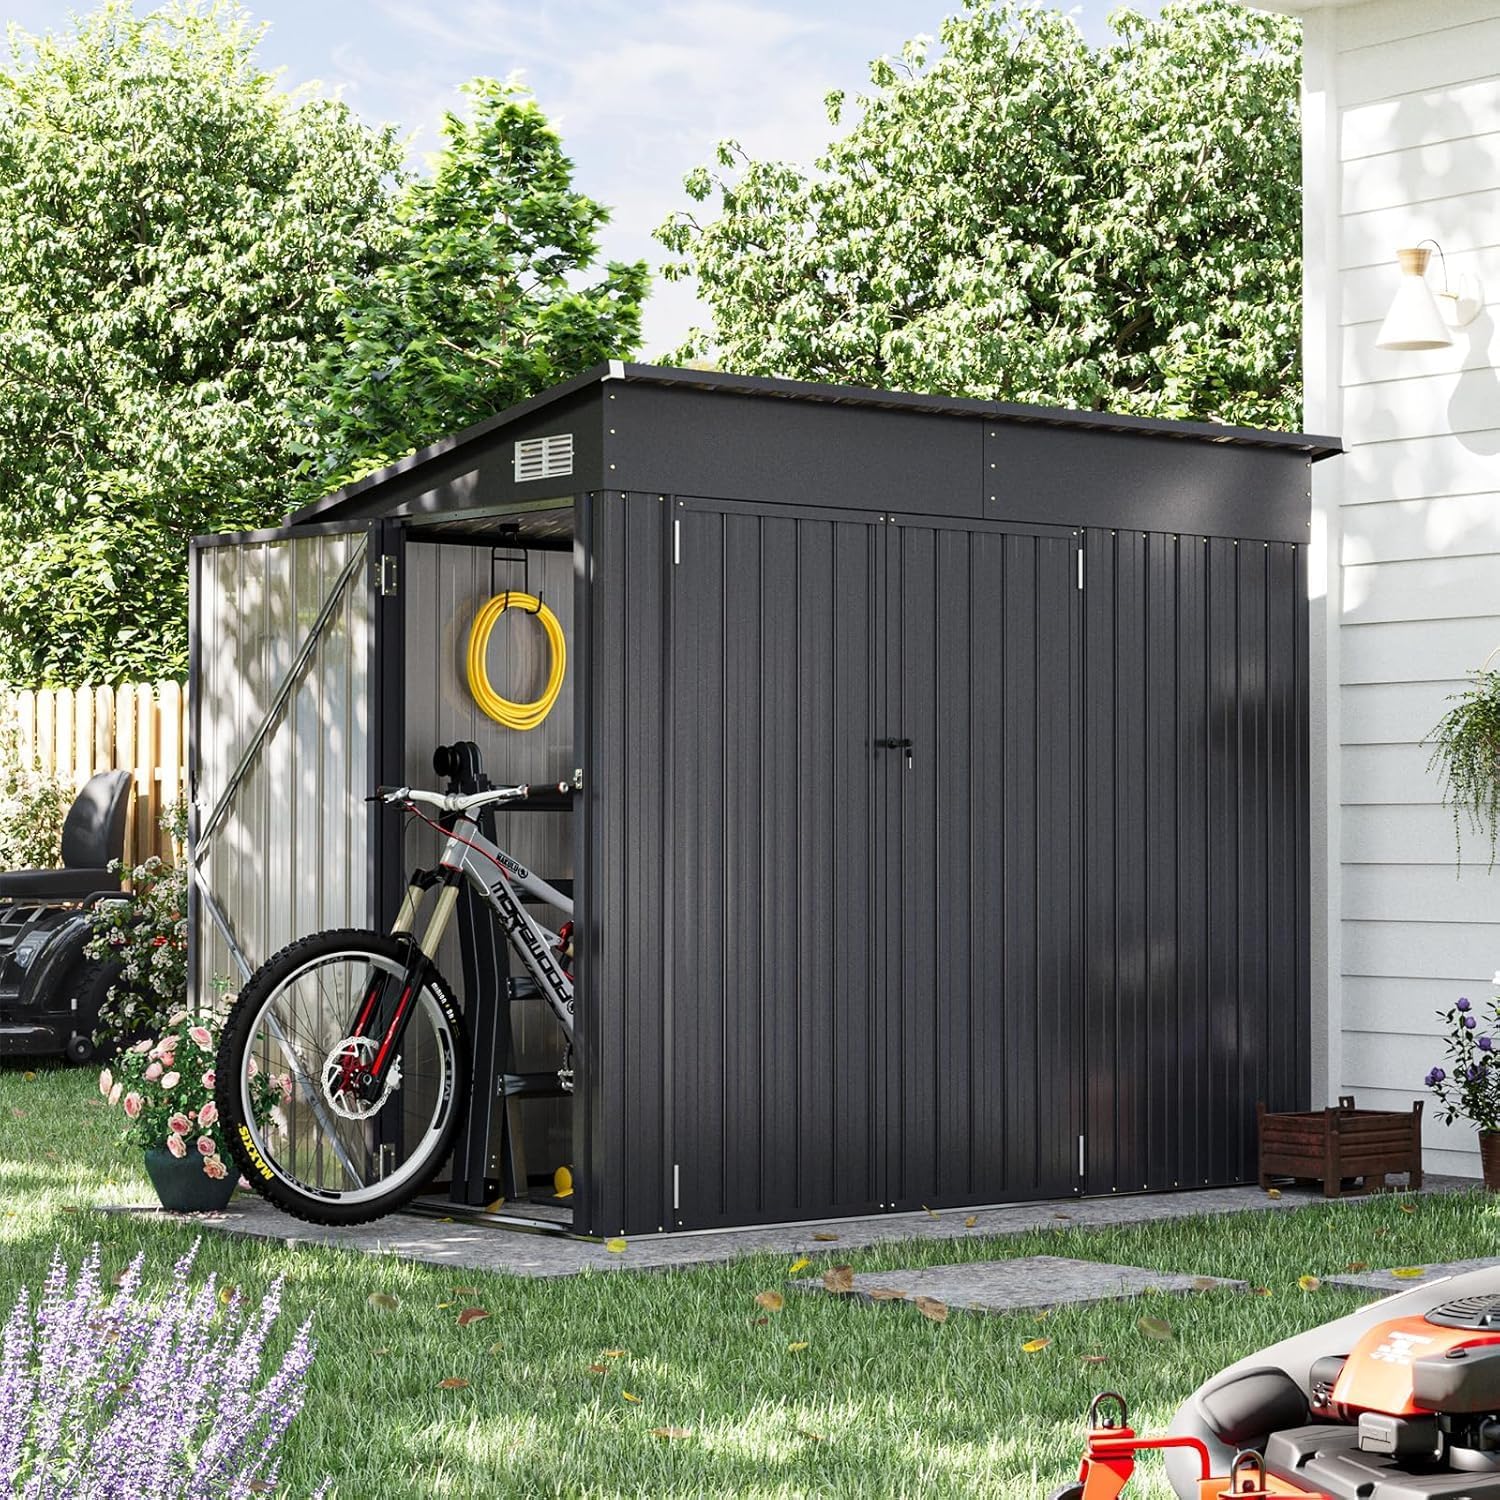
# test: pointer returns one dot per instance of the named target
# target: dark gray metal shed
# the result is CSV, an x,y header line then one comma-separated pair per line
x,y
944,832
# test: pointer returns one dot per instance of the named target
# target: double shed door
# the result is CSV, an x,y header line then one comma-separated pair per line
x,y
1064,945
875,995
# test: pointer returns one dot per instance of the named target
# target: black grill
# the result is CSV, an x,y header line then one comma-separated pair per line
x,y
1468,1312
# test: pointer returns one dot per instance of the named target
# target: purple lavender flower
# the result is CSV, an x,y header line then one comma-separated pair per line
x,y
1470,1022
1485,1044
129,1395
1463,1002
1436,1076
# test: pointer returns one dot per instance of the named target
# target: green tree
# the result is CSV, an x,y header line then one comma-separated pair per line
x,y
1021,216
474,304
173,231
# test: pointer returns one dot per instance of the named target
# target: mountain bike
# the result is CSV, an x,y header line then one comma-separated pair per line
x,y
364,1038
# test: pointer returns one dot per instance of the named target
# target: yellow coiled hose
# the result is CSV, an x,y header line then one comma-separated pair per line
x,y
502,710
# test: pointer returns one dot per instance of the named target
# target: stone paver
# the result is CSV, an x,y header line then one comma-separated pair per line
x,y
480,1246
1030,1283
1388,1281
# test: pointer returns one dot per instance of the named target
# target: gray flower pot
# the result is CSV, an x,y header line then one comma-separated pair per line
x,y
184,1187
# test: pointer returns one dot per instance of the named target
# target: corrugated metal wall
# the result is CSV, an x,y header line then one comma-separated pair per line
x,y
444,587
290,856
1196,941
821,982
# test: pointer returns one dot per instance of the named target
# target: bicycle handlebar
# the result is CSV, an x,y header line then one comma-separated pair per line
x,y
454,802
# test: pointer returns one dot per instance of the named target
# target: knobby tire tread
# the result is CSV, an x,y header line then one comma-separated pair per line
x,y
236,1038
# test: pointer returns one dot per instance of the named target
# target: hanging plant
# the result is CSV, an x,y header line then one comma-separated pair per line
x,y
1466,755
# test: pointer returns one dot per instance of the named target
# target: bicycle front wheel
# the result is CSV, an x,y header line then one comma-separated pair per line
x,y
324,1151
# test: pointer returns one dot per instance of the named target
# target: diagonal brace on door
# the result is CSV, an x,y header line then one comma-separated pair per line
x,y
279,701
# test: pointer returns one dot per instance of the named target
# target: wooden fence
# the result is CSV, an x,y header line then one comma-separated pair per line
x,y
72,732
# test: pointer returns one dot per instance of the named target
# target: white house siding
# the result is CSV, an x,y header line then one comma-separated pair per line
x,y
1401,142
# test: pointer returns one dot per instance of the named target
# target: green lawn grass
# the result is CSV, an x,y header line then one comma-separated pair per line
x,y
880,1402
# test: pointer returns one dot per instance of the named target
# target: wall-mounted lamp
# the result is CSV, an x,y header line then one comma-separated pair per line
x,y
1417,319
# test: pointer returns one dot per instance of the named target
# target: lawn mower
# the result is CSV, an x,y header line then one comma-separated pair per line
x,y
50,989
1399,1401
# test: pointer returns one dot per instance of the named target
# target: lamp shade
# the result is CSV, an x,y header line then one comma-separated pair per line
x,y
1413,321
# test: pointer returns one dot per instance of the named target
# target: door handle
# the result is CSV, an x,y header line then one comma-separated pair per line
x,y
899,744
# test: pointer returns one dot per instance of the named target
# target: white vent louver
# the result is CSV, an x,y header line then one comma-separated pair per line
x,y
544,457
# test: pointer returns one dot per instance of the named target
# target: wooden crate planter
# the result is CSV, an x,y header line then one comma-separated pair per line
x,y
1333,1146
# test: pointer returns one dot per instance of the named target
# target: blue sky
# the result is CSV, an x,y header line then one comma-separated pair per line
x,y
640,89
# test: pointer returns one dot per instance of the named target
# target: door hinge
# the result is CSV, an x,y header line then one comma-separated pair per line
x,y
1080,1156
676,542
387,580
1080,567
676,1187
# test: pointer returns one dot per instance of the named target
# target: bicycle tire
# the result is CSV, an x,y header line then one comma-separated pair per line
x,y
238,1036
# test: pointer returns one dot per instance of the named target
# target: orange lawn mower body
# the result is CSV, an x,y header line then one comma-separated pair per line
x,y
1400,1401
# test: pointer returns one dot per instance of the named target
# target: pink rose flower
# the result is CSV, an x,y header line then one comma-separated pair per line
x,y
114,1093
286,1085
206,1145
208,1079
153,1072
133,1105
171,1080
167,1059
202,1036
179,1124
141,1047
214,1167
176,1147
106,1082
208,1114
252,1069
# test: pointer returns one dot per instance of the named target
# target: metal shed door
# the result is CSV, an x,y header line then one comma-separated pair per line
x,y
982,1020
773,980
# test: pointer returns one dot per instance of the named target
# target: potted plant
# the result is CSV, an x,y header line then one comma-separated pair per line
x,y
1469,1088
1466,755
165,1086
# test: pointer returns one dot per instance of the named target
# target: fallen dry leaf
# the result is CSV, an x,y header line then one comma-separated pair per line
x,y
598,1369
1034,1346
812,1437
671,1432
384,1300
616,1246
472,1315
930,1212
631,1397
794,1348
825,1237
1204,1283
29,1077
452,1383
229,1295
887,1294
971,1221
800,1264
1407,1208
1357,1265
931,1309
1309,1283
1096,1359
613,1354
1273,1192
758,1322
771,1301
1409,1273
380,1351
442,1305
1042,1314
496,1347
839,1278
466,1291
1261,1291
1155,1328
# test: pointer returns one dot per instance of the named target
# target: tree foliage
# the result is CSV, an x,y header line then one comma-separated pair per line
x,y
217,299
1017,215
172,231
473,304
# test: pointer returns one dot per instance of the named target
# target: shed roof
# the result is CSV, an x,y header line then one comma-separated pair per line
x,y
357,496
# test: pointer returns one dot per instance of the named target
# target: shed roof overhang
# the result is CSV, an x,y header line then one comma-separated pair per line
x,y
441,466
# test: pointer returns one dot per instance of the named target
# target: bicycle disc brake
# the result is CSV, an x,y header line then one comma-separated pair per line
x,y
340,1078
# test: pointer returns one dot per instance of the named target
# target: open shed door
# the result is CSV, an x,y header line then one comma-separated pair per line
x,y
282,691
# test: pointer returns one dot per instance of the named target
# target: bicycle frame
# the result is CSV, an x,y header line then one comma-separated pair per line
x,y
501,881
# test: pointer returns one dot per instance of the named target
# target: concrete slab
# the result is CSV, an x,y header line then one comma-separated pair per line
x,y
1029,1284
1385,1282
481,1246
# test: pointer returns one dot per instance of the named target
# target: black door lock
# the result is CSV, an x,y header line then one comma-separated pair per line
x,y
896,745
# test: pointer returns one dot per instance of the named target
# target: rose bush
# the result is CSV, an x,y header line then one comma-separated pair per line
x,y
1469,1087
165,1086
